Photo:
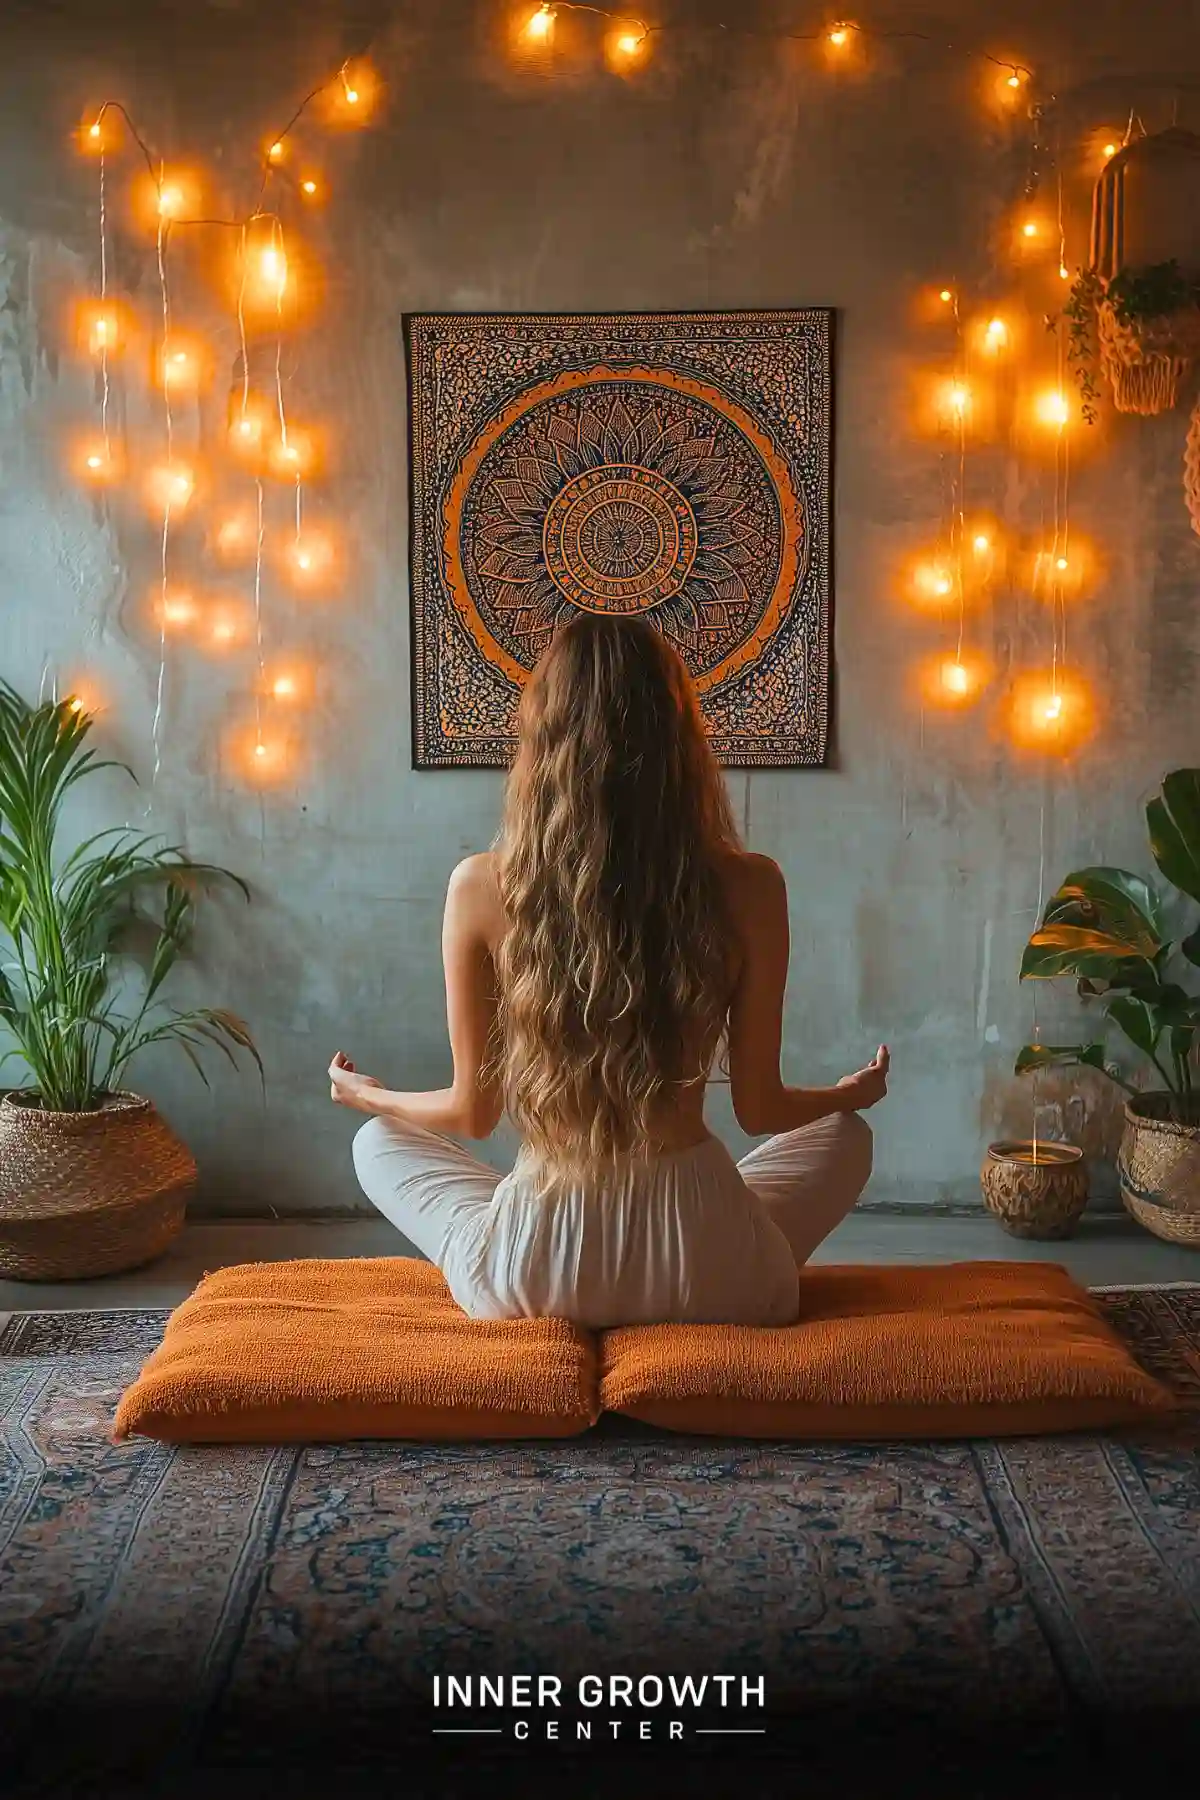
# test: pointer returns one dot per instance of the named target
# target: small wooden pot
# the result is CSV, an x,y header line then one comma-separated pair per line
x,y
87,1193
1036,1191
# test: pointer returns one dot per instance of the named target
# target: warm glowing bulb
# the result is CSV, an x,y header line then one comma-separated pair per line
x,y
304,559
283,688
94,130
1053,408
97,462
1110,150
1014,80
261,749
1053,707
628,43
1064,274
982,542
276,150
955,678
222,631
942,584
997,333
169,201
541,24
957,397
1029,229
308,187
272,266
840,35
1060,562
178,609
171,487
76,704
945,296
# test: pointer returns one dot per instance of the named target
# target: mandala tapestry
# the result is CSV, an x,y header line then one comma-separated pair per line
x,y
672,466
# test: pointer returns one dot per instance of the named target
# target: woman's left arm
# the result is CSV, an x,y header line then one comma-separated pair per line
x,y
472,1106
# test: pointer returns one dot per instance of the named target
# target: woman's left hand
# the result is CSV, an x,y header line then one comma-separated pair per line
x,y
347,1087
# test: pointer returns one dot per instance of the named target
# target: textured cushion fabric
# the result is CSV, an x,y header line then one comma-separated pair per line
x,y
358,1347
976,1349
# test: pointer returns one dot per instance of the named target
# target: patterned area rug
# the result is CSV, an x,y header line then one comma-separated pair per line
x,y
219,1603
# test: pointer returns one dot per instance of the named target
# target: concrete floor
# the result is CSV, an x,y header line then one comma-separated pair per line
x,y
1107,1251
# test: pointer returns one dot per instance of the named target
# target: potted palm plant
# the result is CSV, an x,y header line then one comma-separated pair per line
x,y
1108,929
92,1179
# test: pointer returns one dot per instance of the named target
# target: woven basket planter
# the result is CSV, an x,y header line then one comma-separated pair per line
x,y
1159,1169
1147,363
1035,1200
87,1193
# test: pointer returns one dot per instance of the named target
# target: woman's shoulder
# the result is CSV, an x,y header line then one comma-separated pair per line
x,y
474,892
748,875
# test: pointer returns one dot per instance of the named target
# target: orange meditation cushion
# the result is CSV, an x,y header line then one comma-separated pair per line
x,y
358,1347
972,1349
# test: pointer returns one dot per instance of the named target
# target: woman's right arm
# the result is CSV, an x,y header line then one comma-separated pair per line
x,y
761,1101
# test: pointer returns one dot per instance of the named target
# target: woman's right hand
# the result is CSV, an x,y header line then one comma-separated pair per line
x,y
868,1086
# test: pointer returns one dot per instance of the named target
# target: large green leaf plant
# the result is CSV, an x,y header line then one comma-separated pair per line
x,y
1108,929
68,925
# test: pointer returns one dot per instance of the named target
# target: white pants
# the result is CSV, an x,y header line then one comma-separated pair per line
x,y
690,1235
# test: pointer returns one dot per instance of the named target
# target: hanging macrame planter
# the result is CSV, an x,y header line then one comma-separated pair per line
x,y
1145,262
1147,360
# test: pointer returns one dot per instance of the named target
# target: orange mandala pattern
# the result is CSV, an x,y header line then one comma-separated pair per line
x,y
673,467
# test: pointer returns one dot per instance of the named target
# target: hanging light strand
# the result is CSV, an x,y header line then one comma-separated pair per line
x,y
168,490
540,24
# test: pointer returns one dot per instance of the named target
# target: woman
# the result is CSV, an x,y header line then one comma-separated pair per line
x,y
595,961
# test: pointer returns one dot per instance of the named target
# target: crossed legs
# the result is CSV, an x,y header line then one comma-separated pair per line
x,y
808,1180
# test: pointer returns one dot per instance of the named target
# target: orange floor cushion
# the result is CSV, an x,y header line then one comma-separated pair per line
x,y
972,1349
357,1347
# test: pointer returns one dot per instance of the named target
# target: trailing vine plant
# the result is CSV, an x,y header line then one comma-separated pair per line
x,y
1087,290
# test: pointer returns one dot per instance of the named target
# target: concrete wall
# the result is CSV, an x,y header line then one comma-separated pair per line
x,y
732,171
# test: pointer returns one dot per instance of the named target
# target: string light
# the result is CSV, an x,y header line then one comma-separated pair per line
x,y
275,152
1030,228
956,678
170,202
94,131
1110,150
1064,274
1014,80
178,609
981,542
308,187
98,463
839,36
171,486
946,296
75,704
272,268
309,556
958,398
540,24
996,334
1053,407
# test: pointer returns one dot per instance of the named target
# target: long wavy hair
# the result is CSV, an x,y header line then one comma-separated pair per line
x,y
616,965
